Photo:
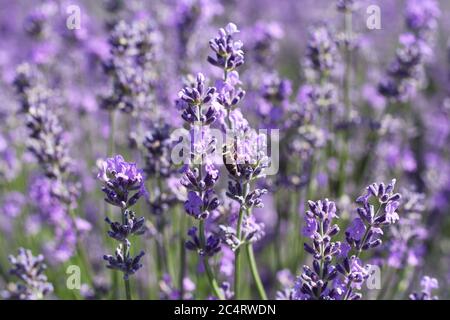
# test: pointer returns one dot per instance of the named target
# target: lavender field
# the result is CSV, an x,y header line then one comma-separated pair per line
x,y
225,149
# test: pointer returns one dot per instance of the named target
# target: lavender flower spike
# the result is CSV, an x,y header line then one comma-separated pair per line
x,y
427,284
228,53
29,270
120,178
123,185
317,282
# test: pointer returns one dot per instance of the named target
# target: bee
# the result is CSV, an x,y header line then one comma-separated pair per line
x,y
230,160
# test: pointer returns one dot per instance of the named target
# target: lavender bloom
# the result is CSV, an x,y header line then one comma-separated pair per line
x,y
201,197
196,96
131,67
52,211
263,42
9,164
226,290
124,263
47,139
406,242
273,102
427,284
377,211
133,225
405,74
364,231
190,16
316,283
252,231
120,179
245,161
29,270
157,147
321,53
230,94
12,204
228,53
211,247
421,16
169,292
37,23
287,281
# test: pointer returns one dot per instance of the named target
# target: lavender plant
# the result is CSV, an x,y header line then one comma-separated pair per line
x,y
123,186
200,176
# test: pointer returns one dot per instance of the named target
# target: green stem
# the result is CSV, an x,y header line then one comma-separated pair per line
x,y
182,256
127,288
125,256
347,102
237,255
358,253
254,271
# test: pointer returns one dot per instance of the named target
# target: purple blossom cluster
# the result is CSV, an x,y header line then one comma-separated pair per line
x,y
32,282
337,271
123,185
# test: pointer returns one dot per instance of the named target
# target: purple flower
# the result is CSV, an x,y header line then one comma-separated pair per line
x,y
406,239
310,228
12,204
193,206
427,284
252,230
170,292
390,210
119,179
47,139
228,52
124,263
157,145
321,52
405,74
210,248
201,197
316,282
263,42
29,270
356,230
131,68
421,15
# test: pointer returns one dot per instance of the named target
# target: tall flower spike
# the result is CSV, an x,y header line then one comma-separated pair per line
x,y
377,211
47,138
29,270
123,185
321,52
132,67
317,282
427,284
228,52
